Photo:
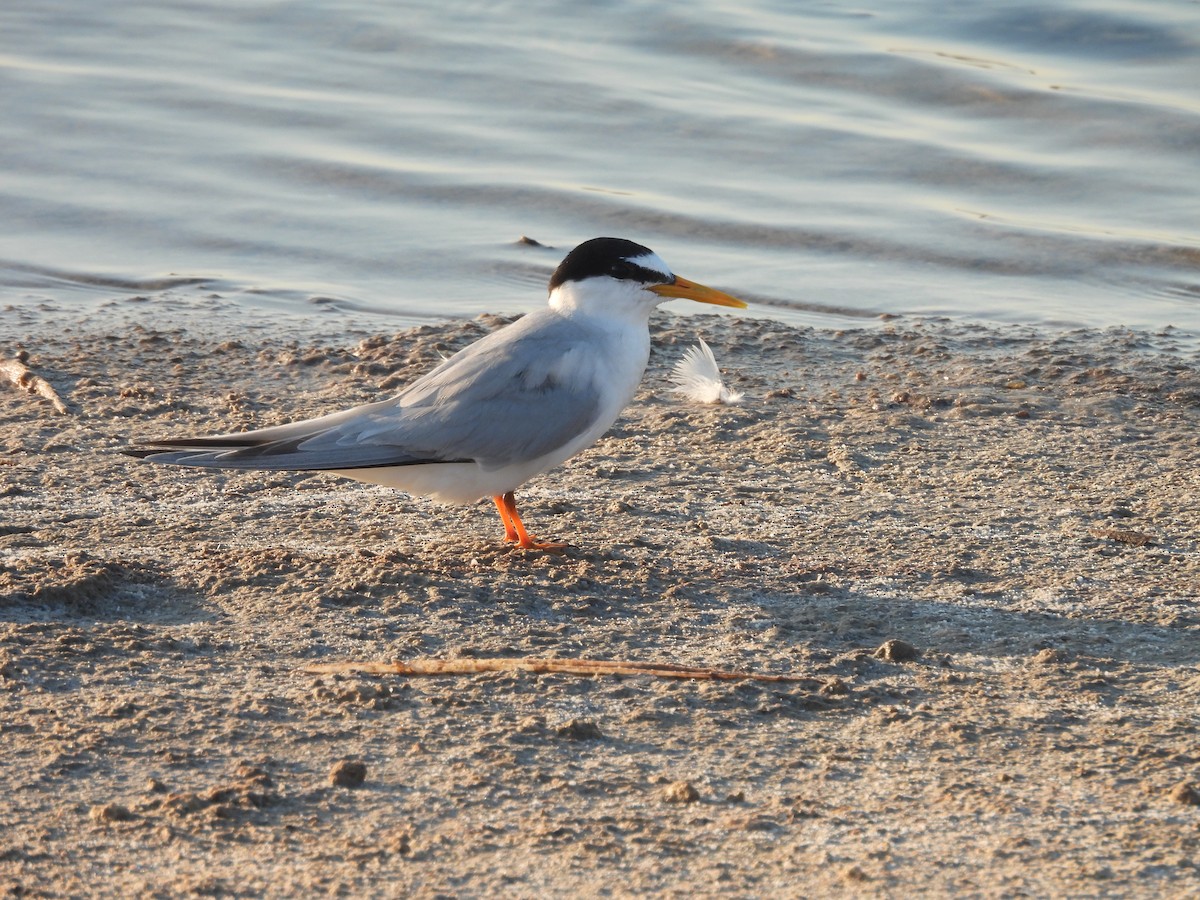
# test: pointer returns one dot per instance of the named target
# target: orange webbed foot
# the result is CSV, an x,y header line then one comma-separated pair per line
x,y
514,528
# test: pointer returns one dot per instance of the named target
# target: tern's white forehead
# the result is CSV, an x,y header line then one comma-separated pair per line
x,y
654,263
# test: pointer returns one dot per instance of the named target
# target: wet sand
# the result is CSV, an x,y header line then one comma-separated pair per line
x,y
977,547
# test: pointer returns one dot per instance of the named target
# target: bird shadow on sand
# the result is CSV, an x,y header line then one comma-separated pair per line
x,y
943,629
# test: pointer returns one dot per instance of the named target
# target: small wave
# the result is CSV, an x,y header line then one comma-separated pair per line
x,y
18,274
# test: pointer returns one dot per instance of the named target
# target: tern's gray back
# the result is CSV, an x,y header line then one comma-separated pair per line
x,y
505,398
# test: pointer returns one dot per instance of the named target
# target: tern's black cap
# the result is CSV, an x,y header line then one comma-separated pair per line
x,y
607,256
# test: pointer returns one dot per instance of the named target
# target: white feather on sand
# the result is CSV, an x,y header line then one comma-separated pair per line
x,y
697,377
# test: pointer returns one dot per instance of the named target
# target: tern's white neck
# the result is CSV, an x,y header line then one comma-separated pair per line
x,y
609,301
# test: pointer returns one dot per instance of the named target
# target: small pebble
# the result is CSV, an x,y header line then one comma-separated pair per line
x,y
111,812
680,792
348,773
580,730
1186,794
897,651
855,874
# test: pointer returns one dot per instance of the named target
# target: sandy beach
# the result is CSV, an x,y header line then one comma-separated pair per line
x,y
975,548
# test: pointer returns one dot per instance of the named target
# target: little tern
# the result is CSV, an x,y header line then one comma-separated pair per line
x,y
506,408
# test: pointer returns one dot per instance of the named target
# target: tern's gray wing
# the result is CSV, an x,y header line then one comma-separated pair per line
x,y
517,394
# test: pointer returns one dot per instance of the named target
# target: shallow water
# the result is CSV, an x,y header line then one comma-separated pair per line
x,y
1002,161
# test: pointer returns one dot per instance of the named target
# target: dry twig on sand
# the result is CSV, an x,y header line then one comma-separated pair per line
x,y
544,666
18,373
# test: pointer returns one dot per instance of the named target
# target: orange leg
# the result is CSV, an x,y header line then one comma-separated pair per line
x,y
514,528
510,533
